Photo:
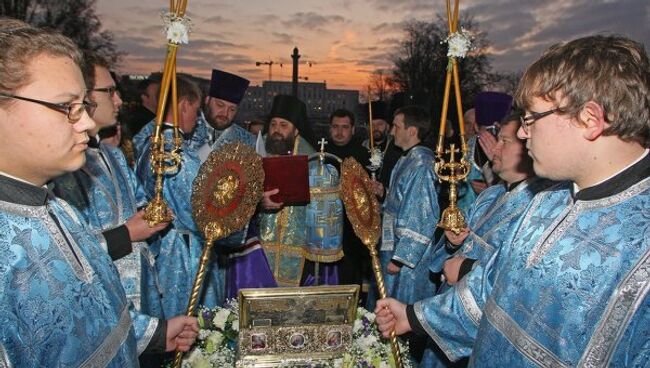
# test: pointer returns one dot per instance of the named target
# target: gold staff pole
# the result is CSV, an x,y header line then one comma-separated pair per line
x,y
362,209
372,139
163,162
235,197
381,286
198,282
452,217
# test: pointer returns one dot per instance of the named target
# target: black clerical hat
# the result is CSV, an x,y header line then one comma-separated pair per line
x,y
380,111
292,109
289,108
492,107
228,87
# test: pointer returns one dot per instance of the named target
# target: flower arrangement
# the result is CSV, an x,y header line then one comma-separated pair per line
x,y
219,328
368,348
215,346
460,43
177,29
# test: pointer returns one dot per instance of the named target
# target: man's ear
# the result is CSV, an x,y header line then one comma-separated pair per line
x,y
206,100
592,118
183,105
413,131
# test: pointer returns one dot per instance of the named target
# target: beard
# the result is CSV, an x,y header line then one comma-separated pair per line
x,y
378,135
218,122
276,144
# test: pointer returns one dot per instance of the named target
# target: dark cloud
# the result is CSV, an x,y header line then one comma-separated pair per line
x,y
202,43
312,21
251,71
217,19
521,31
393,41
283,38
390,27
403,5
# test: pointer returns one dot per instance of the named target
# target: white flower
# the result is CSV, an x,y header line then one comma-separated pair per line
x,y
216,338
198,360
203,334
177,33
460,43
376,157
370,317
235,325
358,326
177,29
220,318
367,342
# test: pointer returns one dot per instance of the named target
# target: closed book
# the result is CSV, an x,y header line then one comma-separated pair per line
x,y
289,174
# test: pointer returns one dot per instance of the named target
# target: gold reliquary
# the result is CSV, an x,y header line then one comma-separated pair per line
x,y
301,326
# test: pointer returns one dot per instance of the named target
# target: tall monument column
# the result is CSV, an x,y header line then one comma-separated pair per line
x,y
294,80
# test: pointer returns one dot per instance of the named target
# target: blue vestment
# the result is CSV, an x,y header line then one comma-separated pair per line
x,y
181,246
571,288
313,232
492,221
193,140
466,194
107,194
410,215
61,300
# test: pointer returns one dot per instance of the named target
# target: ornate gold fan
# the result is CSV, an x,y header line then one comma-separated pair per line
x,y
225,193
362,209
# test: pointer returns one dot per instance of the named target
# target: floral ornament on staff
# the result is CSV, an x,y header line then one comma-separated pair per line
x,y
376,159
177,29
460,43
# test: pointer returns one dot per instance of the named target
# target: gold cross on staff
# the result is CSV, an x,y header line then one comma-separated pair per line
x,y
322,144
452,152
452,217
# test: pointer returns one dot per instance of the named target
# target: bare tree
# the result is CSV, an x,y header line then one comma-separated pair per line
x,y
505,82
381,85
74,18
421,63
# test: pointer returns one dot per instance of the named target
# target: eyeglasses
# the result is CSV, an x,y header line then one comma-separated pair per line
x,y
110,90
74,110
528,120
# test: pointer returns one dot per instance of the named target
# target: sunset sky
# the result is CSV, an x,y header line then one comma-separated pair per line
x,y
347,40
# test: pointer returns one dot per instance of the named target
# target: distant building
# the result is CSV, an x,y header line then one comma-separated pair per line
x,y
320,101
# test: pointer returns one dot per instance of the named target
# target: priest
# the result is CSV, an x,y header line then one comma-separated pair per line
x,y
301,241
482,125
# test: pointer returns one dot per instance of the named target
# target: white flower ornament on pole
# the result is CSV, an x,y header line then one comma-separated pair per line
x,y
177,29
460,43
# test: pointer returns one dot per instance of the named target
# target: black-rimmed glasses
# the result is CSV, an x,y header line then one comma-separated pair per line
x,y
528,120
74,110
110,90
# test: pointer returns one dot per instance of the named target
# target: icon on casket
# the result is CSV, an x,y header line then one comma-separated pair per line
x,y
297,341
334,339
258,341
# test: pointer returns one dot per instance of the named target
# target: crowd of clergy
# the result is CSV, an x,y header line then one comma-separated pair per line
x,y
552,268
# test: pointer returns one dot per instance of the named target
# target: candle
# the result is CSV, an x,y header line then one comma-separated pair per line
x,y
372,139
